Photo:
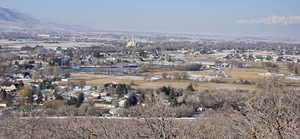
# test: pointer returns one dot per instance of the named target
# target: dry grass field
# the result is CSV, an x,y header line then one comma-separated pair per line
x,y
200,58
197,85
145,84
206,73
245,74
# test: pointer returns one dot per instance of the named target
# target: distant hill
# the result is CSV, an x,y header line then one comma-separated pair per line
x,y
11,20
8,15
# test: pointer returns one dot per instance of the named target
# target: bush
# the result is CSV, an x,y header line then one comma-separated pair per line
x,y
190,88
72,101
294,68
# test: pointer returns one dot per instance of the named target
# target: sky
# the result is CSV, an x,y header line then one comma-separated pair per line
x,y
232,17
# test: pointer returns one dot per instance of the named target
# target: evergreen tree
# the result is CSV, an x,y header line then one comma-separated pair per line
x,y
80,100
40,98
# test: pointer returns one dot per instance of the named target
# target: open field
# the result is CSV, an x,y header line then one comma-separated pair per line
x,y
200,58
197,85
245,74
144,84
206,73
235,75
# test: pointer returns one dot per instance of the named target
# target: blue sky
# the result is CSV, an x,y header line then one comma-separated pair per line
x,y
194,16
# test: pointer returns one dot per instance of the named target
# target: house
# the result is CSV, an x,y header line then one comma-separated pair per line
x,y
3,105
122,103
94,95
8,88
131,43
25,77
48,94
103,94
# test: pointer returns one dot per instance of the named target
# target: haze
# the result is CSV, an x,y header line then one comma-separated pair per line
x,y
231,17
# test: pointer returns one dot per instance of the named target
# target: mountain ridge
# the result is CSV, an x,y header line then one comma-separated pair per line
x,y
14,21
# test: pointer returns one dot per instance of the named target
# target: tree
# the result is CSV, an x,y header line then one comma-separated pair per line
x,y
80,100
58,96
274,115
72,101
171,94
294,68
67,74
40,98
131,101
5,96
160,128
45,84
271,67
190,88
121,89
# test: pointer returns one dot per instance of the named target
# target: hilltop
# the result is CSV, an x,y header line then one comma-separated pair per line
x,y
14,21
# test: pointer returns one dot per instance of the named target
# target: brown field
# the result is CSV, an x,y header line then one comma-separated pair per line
x,y
197,85
245,74
282,66
206,73
143,84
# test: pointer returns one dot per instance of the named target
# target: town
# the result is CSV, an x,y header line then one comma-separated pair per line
x,y
137,69
109,75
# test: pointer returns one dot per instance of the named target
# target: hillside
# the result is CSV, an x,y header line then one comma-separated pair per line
x,y
14,21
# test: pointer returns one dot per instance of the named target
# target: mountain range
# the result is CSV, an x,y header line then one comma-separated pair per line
x,y
14,21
